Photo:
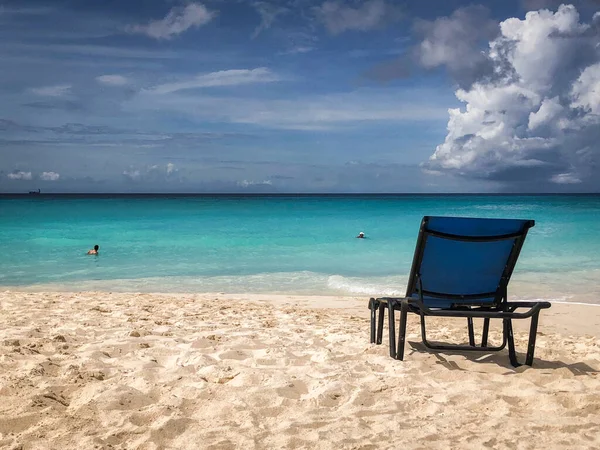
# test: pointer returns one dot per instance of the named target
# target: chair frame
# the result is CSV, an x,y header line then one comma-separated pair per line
x,y
470,306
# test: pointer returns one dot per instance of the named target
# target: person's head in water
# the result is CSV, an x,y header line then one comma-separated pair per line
x,y
93,251
361,235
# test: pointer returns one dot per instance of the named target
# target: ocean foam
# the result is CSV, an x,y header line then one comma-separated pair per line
x,y
382,287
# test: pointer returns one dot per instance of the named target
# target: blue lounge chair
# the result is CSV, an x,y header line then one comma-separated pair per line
x,y
461,268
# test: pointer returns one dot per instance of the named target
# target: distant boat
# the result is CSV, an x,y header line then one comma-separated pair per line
x,y
38,192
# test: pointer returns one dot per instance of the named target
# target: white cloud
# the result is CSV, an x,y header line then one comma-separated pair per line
x,y
298,41
565,178
455,41
325,114
132,174
538,118
249,183
298,50
220,78
52,91
49,176
586,90
20,175
176,22
154,173
112,80
549,110
118,52
304,113
372,14
268,14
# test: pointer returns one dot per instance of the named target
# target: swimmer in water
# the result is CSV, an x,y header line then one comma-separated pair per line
x,y
361,235
93,251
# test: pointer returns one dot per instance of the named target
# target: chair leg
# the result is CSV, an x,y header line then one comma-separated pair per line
x,y
512,354
486,329
423,332
373,309
532,337
380,323
402,331
471,331
392,328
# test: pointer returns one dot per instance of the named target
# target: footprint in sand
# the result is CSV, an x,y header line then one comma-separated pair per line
x,y
235,354
364,398
294,390
171,429
122,398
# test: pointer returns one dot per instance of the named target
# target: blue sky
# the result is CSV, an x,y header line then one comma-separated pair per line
x,y
299,96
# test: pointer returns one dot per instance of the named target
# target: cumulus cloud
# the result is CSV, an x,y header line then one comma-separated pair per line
x,y
372,14
538,117
112,80
170,168
49,176
19,175
52,91
178,20
456,42
220,78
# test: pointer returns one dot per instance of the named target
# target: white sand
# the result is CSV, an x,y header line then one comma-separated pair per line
x,y
210,371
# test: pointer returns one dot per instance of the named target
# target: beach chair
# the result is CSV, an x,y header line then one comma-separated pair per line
x,y
461,268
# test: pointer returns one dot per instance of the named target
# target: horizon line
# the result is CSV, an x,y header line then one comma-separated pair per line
x,y
285,194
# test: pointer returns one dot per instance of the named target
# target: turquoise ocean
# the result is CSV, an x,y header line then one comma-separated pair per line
x,y
278,244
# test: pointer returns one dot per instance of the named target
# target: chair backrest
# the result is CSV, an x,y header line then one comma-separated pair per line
x,y
465,261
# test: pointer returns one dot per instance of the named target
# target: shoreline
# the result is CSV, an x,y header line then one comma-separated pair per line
x,y
572,298
145,371
524,286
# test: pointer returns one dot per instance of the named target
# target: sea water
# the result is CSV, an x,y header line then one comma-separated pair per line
x,y
279,244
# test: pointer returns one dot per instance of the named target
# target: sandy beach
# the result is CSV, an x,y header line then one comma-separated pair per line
x,y
214,371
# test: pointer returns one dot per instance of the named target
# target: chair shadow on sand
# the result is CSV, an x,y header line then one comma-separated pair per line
x,y
499,359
